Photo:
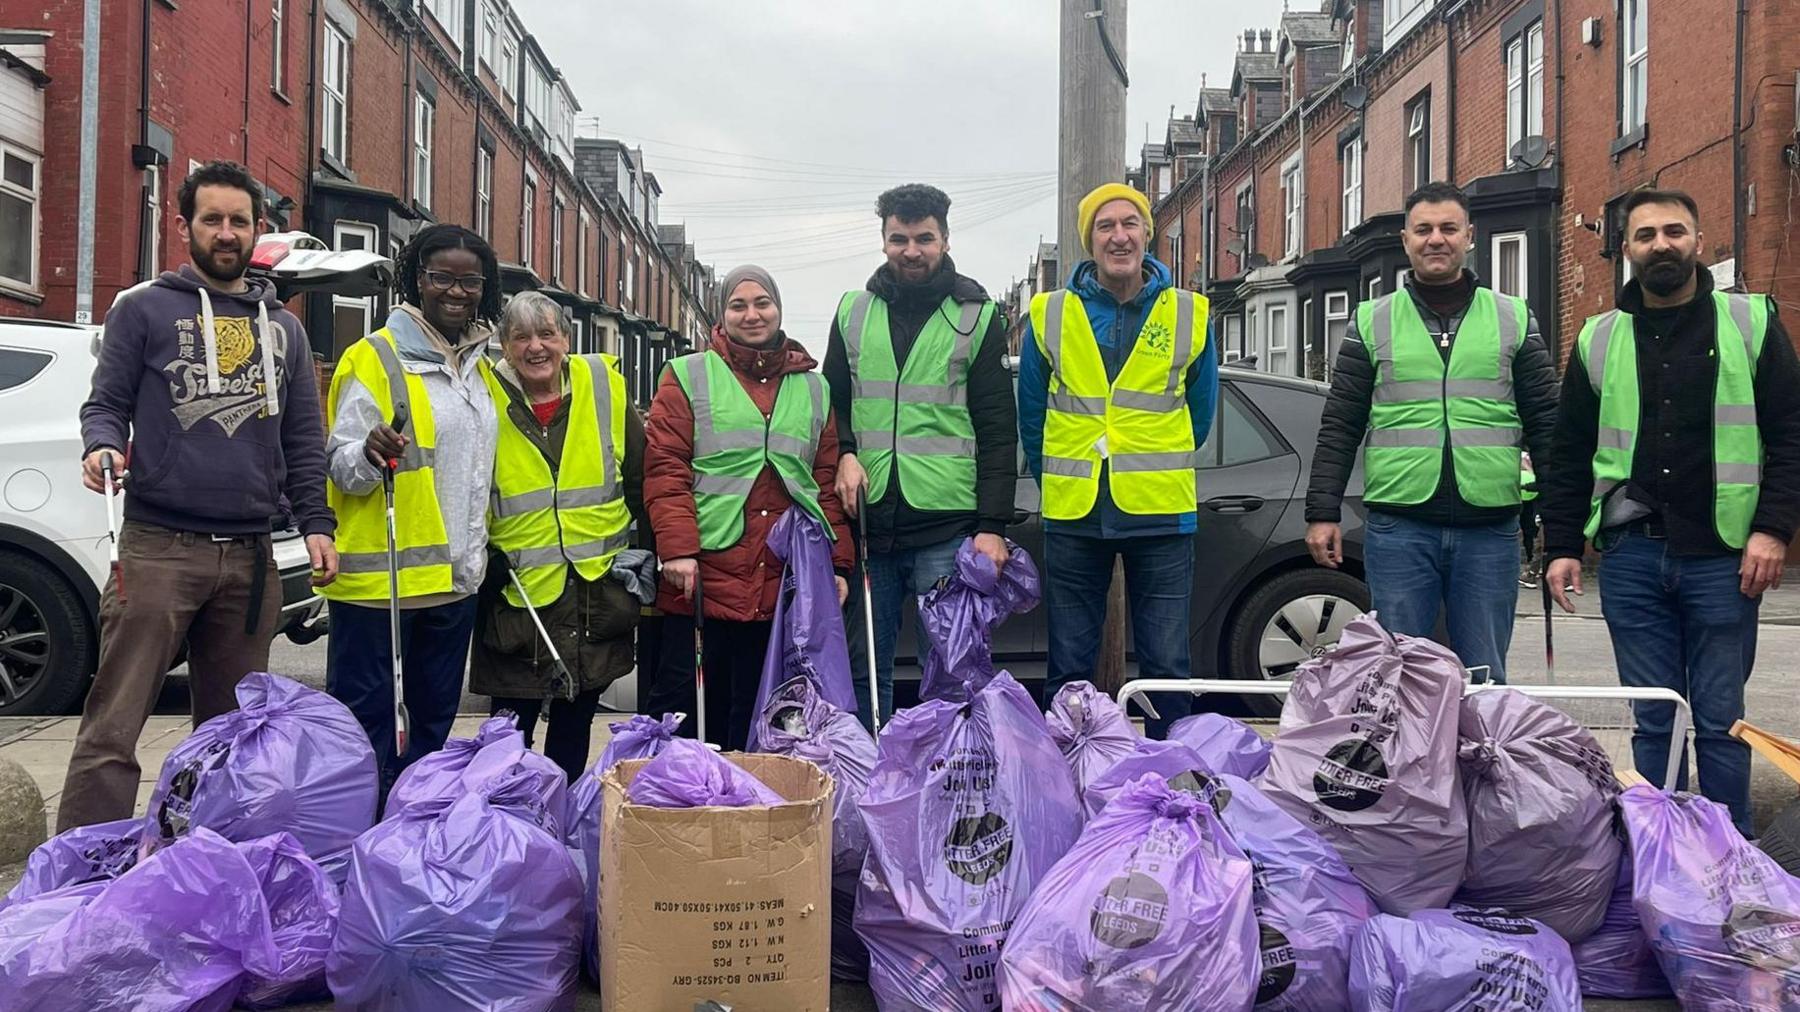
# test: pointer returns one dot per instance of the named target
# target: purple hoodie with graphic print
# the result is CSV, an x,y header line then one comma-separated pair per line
x,y
184,376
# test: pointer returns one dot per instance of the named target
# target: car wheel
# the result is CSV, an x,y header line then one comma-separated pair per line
x,y
1287,621
48,647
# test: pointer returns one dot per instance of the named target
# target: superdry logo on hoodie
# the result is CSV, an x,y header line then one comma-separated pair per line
x,y
239,364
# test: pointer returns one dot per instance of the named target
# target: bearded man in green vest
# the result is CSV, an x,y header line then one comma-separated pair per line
x,y
1678,452
925,419
1438,386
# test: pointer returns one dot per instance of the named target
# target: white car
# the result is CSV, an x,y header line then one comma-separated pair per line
x,y
53,533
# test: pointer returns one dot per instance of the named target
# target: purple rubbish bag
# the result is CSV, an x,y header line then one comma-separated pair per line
x,y
1091,730
1366,756
470,903
800,724
687,774
970,804
438,776
303,913
1151,909
806,639
181,932
1721,915
1464,959
97,853
289,760
1540,794
958,617
1616,961
641,737
1179,766
1223,744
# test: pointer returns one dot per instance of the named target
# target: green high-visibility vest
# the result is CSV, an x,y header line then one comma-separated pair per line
x,y
1420,400
1608,350
733,442
914,420
546,522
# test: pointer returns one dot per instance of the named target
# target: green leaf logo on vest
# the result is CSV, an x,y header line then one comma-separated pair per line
x,y
1156,338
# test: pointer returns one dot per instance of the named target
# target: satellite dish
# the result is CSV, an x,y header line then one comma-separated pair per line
x,y
1531,152
1235,247
1257,260
1356,96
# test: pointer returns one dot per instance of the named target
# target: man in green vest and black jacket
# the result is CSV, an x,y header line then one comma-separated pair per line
x,y
925,417
1448,380
1678,455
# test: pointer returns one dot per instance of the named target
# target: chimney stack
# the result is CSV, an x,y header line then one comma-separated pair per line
x,y
1266,36
1249,40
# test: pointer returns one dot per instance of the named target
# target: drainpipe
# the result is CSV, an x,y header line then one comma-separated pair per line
x,y
408,116
1554,335
312,112
1449,97
89,161
1739,210
247,24
144,270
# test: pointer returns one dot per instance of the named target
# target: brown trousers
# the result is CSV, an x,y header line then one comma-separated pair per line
x,y
179,586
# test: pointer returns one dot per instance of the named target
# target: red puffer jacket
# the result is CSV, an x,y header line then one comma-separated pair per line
x,y
742,582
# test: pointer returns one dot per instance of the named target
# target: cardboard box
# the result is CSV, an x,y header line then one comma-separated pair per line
x,y
718,904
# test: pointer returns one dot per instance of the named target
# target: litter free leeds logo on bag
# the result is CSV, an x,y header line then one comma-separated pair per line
x,y
1130,912
978,847
1352,776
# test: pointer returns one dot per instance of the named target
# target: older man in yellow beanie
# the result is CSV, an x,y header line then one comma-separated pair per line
x,y
1117,383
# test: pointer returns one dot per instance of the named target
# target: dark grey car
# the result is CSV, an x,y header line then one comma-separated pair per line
x,y
1260,604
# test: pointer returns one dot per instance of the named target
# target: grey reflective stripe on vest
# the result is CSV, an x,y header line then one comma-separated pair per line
x,y
1597,345
603,392
556,555
1382,323
1603,486
407,558
1431,390
911,393
1053,314
591,495
965,343
524,502
815,384
1611,438
1738,305
1184,346
1069,404
1406,437
1507,312
1485,437
1068,467
699,392
1138,401
412,458
1737,474
941,446
779,443
853,335
1177,460
1734,414
720,484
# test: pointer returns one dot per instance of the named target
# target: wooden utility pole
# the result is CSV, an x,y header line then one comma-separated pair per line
x,y
1091,151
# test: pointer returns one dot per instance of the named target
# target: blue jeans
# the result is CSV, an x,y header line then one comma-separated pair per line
x,y
1681,623
896,579
1159,584
434,653
1470,574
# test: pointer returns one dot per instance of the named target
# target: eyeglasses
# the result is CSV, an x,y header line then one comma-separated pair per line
x,y
443,281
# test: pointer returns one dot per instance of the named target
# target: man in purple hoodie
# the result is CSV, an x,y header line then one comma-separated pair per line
x,y
208,382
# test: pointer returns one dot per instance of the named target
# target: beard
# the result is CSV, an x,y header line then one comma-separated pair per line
x,y
208,261
1664,275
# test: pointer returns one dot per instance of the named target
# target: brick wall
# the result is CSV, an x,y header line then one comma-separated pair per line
x,y
1384,126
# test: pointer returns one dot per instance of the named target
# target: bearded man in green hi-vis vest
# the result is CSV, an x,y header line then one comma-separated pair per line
x,y
1678,455
926,426
1438,386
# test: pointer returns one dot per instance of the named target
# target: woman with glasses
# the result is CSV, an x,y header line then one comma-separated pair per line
x,y
426,364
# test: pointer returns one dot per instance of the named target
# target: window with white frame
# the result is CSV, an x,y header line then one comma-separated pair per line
x,y
484,191
1634,64
584,225
556,236
334,95
631,279
448,14
19,190
490,37
1418,142
1290,207
1374,289
509,63
1279,363
278,45
1234,338
1304,346
1337,325
1350,165
1508,264
1253,337
1175,253
528,219
1246,220
153,218
1525,86
352,318
424,122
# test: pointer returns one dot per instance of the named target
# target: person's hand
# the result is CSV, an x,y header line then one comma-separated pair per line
x,y
681,574
851,478
383,445
1326,543
994,547
1764,557
94,477
322,551
1564,575
843,587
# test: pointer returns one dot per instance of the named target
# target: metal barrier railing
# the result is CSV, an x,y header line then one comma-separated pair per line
x,y
1139,689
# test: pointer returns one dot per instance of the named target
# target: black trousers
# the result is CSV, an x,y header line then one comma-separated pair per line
x,y
567,731
734,661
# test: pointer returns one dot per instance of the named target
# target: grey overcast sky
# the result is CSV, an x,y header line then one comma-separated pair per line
x,y
771,126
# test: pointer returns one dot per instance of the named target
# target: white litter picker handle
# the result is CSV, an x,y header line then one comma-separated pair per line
x,y
1139,689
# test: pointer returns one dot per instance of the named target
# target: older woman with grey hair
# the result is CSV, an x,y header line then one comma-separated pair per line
x,y
568,478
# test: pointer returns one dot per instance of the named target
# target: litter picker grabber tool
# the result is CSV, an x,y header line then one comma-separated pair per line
x,y
563,683
700,659
401,718
112,526
868,603
1549,633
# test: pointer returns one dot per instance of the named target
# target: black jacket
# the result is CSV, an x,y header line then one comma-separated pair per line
x,y
1346,421
1671,468
893,524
